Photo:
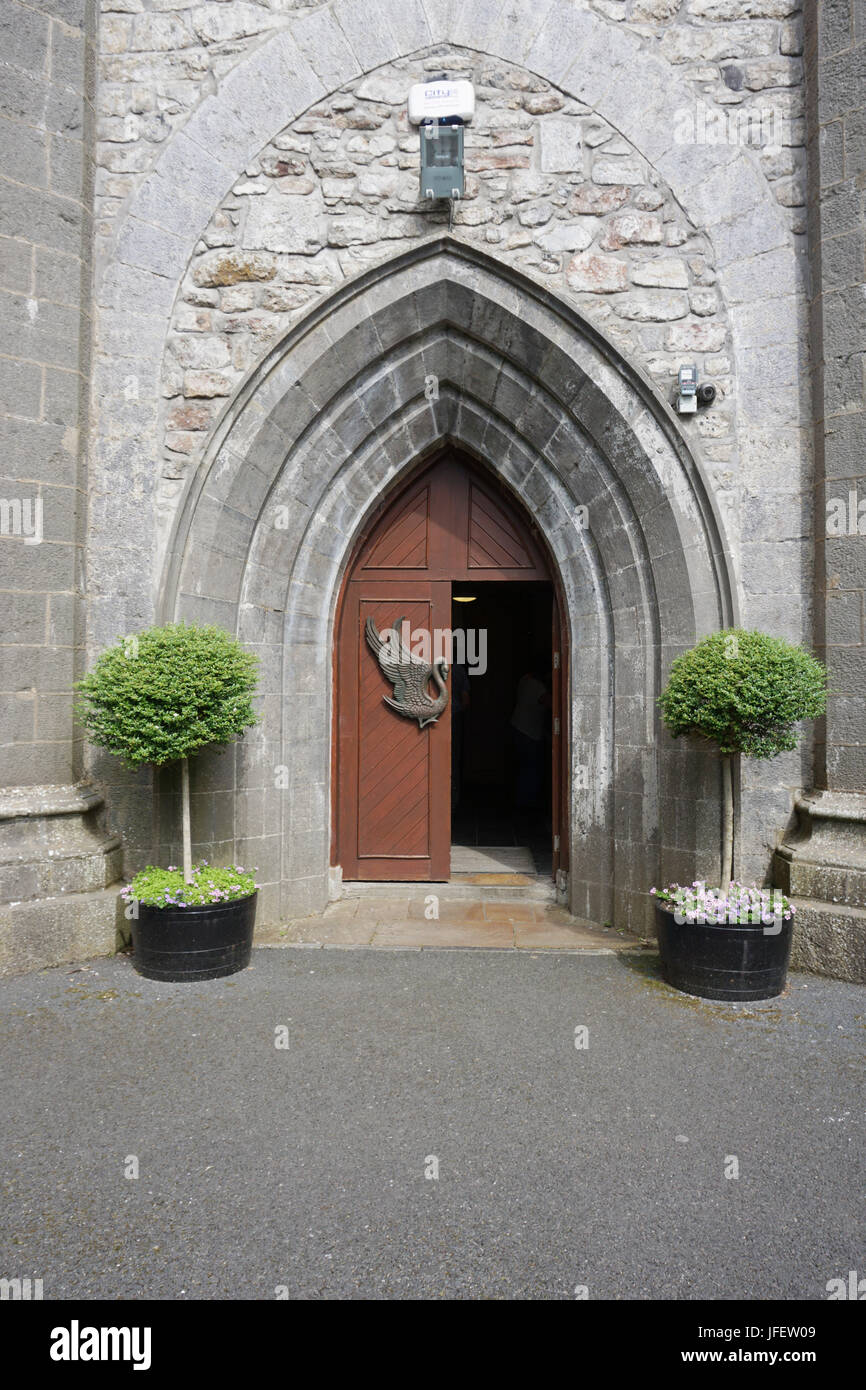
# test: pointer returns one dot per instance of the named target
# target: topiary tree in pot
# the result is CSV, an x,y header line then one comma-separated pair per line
x,y
744,692
159,697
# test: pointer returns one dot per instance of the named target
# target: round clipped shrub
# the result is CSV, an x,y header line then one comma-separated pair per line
x,y
745,691
167,692
162,695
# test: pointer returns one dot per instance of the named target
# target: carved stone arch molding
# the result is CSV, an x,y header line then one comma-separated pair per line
x,y
338,414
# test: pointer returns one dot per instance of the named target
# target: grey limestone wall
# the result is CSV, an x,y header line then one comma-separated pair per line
x,y
823,860
57,859
47,76
642,162
205,204
639,162
836,56
253,160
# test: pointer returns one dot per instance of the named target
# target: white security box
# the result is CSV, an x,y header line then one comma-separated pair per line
x,y
438,98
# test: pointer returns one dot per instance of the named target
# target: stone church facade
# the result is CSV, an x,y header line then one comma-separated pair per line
x,y
227,305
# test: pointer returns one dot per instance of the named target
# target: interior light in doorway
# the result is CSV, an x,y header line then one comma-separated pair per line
x,y
464,598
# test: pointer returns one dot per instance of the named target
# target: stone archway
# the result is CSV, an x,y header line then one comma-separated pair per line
x,y
441,345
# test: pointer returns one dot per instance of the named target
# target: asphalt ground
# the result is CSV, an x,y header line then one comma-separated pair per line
x,y
308,1168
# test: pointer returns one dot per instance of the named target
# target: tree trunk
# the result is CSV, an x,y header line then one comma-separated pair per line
x,y
727,823
187,833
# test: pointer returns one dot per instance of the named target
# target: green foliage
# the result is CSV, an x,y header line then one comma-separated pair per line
x,y
166,887
745,691
167,692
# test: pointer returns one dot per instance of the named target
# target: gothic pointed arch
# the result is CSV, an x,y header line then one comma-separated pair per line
x,y
444,344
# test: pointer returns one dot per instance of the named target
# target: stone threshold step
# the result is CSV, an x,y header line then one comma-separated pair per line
x,y
454,891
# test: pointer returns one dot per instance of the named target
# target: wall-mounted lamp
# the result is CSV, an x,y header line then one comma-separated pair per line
x,y
441,109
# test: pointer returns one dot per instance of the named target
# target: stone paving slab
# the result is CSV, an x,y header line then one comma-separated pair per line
x,y
390,922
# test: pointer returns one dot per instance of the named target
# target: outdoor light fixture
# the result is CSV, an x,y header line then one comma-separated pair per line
x,y
442,158
441,109
689,395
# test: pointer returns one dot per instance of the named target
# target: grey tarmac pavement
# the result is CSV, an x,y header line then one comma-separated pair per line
x,y
304,1167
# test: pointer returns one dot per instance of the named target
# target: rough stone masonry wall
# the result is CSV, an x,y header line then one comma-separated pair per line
x,y
160,57
551,190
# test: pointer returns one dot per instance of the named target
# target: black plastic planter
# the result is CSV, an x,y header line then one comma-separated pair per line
x,y
723,962
193,943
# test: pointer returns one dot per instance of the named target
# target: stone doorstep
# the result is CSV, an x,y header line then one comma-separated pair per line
x,y
455,890
463,924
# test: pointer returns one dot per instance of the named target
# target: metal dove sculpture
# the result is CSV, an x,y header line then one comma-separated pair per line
x,y
410,677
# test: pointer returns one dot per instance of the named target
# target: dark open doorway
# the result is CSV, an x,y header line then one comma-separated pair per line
x,y
502,728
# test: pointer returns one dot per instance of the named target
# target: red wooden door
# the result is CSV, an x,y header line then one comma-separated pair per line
x,y
395,808
393,796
